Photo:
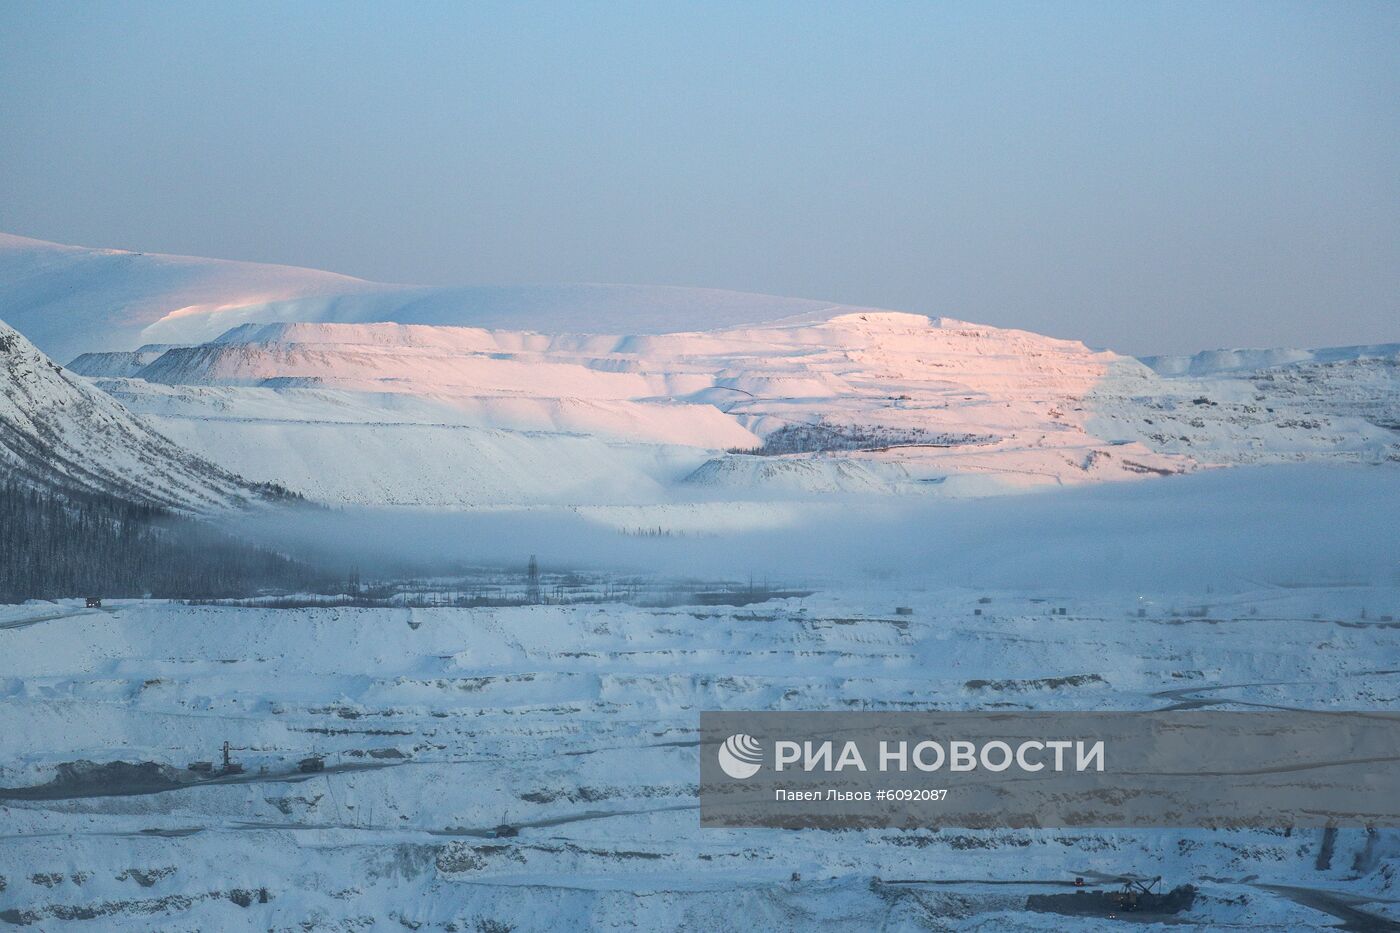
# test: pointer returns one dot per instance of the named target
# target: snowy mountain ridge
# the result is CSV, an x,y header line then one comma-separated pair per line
x,y
1214,362
58,431
70,300
868,402
624,396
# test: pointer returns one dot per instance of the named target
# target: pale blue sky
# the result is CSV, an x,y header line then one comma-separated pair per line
x,y
1147,176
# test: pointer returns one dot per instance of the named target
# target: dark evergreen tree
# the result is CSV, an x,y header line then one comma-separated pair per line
x,y
54,546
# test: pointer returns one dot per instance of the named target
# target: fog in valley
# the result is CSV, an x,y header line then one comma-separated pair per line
x,y
1229,529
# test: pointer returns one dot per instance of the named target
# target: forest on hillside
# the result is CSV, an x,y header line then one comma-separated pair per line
x,y
821,437
54,546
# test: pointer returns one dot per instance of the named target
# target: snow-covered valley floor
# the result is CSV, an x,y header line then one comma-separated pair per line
x,y
575,726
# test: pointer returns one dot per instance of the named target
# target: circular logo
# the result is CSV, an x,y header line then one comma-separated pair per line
x,y
740,756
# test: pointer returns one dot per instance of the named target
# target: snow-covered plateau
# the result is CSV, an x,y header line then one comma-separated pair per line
x,y
682,400
885,402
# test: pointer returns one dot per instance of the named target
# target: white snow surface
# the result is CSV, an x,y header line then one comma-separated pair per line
x,y
577,725
71,300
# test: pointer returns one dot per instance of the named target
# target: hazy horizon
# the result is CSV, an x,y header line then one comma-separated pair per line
x,y
1154,178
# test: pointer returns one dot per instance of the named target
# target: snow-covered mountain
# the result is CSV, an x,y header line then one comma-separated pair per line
x,y
866,401
59,431
70,300
119,363
1215,362
619,396
857,402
